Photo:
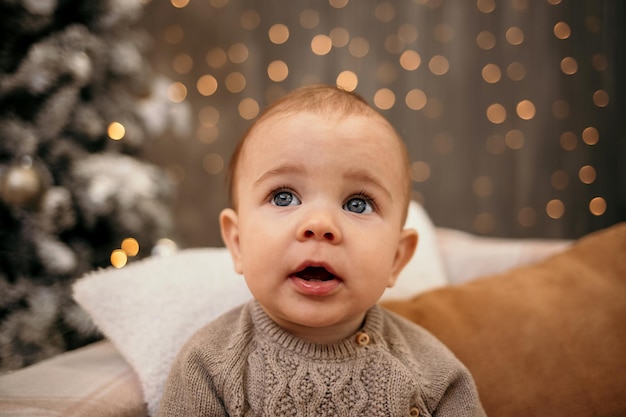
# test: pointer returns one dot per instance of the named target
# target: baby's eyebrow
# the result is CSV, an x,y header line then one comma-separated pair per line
x,y
361,176
282,170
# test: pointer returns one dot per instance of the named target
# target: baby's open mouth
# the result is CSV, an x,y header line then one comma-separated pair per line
x,y
315,273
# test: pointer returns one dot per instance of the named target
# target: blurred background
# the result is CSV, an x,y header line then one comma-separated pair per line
x,y
512,110
118,119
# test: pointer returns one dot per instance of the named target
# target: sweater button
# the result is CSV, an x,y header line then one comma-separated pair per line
x,y
362,339
414,412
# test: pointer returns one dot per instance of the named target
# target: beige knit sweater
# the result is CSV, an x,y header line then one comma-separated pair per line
x,y
244,364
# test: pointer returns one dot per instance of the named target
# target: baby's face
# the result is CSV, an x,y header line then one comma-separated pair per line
x,y
318,230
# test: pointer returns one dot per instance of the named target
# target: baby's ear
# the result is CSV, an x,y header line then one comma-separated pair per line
x,y
407,243
229,226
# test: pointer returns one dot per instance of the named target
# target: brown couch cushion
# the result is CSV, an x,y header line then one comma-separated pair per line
x,y
547,339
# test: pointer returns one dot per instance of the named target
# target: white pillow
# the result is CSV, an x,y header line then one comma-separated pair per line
x,y
149,308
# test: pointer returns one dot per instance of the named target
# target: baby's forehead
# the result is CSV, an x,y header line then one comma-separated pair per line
x,y
280,120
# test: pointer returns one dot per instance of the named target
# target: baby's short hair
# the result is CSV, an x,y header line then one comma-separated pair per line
x,y
327,100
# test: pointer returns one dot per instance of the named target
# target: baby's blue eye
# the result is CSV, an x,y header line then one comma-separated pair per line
x,y
359,205
284,199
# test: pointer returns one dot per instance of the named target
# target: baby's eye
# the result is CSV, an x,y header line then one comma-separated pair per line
x,y
284,199
359,205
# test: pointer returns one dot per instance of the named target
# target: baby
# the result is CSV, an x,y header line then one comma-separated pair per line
x,y
320,192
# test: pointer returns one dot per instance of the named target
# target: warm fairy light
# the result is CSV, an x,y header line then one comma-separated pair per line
x,y
568,141
491,73
235,82
116,131
514,36
433,108
415,99
238,53
385,12
207,134
562,30
587,174
559,180
555,209
410,60
359,47
208,116
443,33
569,65
525,110
484,223
340,37
278,34
321,44
482,186
560,109
250,19
485,40
177,92
347,80
438,65
597,206
216,58
248,108
118,258
213,163
527,216
384,99
408,33
338,4
590,135
514,139
309,19
394,44
277,71
601,98
130,246
419,171
206,85
495,144
496,113
486,6
593,24
599,62
183,63
516,71
179,4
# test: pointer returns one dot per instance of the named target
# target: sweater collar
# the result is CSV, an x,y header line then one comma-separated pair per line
x,y
268,330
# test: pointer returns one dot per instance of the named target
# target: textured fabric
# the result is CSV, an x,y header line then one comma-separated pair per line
x,y
546,339
93,381
245,364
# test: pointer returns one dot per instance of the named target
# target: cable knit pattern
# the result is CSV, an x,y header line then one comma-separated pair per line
x,y
245,364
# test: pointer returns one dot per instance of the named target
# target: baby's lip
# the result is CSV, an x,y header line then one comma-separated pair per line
x,y
315,271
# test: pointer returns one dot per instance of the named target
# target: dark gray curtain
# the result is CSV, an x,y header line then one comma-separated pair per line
x,y
512,110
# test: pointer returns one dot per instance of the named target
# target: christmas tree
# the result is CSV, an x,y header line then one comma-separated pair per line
x,y
77,105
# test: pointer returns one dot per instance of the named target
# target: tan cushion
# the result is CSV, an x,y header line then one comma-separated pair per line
x,y
547,339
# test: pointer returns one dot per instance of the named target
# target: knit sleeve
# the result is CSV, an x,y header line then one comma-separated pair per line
x,y
190,391
448,388
460,398
206,378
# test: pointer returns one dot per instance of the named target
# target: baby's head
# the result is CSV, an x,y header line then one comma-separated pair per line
x,y
320,190
329,102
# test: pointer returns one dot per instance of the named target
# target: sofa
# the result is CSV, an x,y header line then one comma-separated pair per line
x,y
540,323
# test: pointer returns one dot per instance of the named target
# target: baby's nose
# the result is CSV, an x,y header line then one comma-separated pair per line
x,y
319,226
